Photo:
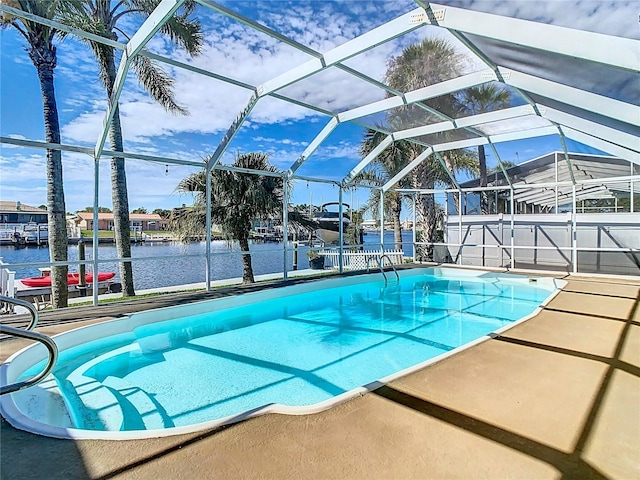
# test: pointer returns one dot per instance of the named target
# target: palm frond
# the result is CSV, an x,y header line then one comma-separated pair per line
x,y
157,83
181,30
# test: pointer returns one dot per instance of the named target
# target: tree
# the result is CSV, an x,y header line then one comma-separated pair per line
x,y
236,200
140,210
482,99
426,63
384,168
100,210
103,18
164,214
42,52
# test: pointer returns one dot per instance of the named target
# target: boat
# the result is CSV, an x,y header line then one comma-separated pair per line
x,y
35,234
328,231
72,279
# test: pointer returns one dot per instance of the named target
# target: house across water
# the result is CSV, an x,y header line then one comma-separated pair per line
x,y
14,214
137,221
22,224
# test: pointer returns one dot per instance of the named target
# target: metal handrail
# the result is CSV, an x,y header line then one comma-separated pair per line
x,y
27,305
384,274
39,337
393,267
53,357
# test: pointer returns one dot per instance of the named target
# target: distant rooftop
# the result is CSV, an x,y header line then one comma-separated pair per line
x,y
109,216
7,206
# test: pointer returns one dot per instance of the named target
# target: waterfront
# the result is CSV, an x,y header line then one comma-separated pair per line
x,y
171,269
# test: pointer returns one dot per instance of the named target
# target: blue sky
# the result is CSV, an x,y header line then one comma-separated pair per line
x,y
279,128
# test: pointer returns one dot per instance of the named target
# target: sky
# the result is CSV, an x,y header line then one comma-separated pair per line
x,y
281,129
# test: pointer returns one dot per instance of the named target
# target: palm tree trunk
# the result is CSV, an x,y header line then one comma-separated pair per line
x,y
426,210
119,195
449,164
426,213
44,60
247,269
396,208
482,161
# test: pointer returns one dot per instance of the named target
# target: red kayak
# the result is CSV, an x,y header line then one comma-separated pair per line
x,y
72,279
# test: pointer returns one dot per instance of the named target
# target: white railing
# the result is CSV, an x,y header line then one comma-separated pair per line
x,y
358,260
7,283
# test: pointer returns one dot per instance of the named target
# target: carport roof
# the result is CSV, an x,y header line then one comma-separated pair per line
x,y
596,177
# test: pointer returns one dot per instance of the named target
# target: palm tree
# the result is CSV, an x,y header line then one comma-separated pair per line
x,y
237,199
482,99
389,163
42,53
102,17
426,63
429,174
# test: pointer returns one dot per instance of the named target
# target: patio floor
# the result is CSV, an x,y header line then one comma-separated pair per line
x,y
555,397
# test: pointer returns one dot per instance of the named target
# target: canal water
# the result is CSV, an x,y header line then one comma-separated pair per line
x,y
171,269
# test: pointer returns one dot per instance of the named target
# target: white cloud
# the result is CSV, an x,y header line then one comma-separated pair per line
x,y
251,57
242,53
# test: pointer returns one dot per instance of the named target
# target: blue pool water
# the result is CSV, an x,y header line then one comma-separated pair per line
x,y
294,350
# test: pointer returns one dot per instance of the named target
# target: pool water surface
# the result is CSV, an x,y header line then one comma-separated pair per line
x,y
302,347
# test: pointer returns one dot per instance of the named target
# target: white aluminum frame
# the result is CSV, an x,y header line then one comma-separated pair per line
x,y
615,52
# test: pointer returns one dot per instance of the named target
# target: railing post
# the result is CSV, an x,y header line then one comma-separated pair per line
x,y
340,231
11,284
459,228
413,230
511,207
574,232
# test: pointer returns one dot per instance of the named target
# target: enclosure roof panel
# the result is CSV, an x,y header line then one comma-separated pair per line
x,y
578,84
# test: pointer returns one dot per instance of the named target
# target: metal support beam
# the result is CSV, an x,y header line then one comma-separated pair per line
x,y
465,122
21,142
609,107
384,33
207,273
285,225
292,43
340,233
61,27
460,247
381,220
605,146
408,169
446,169
500,164
616,51
118,85
313,146
566,154
94,247
233,130
368,159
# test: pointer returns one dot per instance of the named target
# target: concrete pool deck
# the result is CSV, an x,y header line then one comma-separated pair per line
x,y
555,397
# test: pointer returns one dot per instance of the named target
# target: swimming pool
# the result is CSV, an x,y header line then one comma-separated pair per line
x,y
297,349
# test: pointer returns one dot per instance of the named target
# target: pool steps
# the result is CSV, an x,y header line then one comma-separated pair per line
x,y
111,403
45,403
100,408
141,412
